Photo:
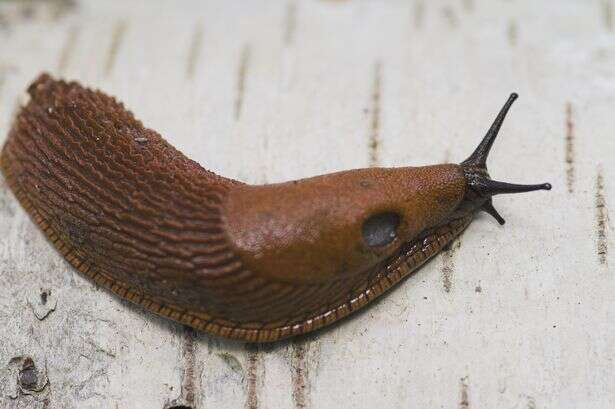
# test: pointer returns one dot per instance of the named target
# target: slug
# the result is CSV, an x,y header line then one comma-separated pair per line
x,y
256,263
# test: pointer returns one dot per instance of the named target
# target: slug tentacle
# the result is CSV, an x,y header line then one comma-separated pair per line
x,y
487,186
258,263
488,208
477,175
478,158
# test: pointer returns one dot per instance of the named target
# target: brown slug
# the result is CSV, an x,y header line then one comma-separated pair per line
x,y
258,263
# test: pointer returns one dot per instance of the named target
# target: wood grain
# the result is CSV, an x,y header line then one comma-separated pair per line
x,y
308,99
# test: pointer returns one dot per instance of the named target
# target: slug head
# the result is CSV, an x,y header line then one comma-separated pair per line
x,y
480,185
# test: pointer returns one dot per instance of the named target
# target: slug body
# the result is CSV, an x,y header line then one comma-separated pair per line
x,y
258,263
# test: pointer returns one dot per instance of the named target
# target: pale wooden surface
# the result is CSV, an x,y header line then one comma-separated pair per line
x,y
267,91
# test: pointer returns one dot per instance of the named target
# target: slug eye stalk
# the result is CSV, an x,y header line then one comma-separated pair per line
x,y
475,168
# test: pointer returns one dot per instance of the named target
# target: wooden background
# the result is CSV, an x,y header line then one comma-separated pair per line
x,y
520,316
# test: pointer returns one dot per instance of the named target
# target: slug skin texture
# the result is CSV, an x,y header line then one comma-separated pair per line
x,y
258,263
